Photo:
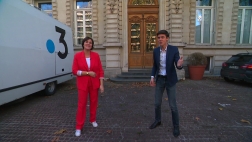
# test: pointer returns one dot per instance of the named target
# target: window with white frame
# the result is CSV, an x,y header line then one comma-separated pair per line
x,y
46,7
204,21
244,24
83,20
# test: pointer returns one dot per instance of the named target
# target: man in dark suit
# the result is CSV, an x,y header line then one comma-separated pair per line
x,y
166,58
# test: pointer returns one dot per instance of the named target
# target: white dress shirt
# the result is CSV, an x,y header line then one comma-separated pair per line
x,y
88,63
162,66
162,62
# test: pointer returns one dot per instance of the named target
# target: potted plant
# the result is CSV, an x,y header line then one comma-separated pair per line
x,y
196,65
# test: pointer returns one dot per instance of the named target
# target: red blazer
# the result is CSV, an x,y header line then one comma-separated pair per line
x,y
79,63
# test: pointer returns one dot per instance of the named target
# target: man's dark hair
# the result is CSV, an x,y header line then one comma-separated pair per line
x,y
163,32
85,39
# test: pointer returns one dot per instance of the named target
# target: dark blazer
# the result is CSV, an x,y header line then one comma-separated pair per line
x,y
79,63
172,57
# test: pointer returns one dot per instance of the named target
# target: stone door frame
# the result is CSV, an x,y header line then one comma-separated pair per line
x,y
162,25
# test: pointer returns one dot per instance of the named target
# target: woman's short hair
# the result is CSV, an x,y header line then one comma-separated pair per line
x,y
163,32
85,39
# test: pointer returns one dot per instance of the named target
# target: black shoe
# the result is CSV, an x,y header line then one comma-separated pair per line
x,y
155,124
176,131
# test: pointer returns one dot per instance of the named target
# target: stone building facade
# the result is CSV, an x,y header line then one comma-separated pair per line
x,y
124,30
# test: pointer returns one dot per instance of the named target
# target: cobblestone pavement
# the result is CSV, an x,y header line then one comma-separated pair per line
x,y
210,110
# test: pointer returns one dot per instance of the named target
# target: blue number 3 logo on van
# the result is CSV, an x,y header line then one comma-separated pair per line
x,y
51,47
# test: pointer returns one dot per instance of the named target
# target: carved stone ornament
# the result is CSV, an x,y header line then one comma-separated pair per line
x,y
135,19
151,19
142,2
111,5
177,3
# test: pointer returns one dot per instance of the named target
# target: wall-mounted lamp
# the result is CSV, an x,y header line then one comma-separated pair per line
x,y
111,5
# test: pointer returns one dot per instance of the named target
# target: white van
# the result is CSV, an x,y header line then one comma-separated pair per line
x,y
36,51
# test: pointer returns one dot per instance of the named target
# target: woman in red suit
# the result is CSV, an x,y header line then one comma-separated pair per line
x,y
88,69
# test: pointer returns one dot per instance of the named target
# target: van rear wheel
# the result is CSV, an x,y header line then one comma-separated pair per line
x,y
50,88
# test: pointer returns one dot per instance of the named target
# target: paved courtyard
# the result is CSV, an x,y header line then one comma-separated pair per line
x,y
210,110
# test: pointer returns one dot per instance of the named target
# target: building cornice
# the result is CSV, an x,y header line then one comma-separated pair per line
x,y
218,47
112,45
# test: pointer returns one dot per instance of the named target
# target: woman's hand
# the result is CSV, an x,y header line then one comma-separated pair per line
x,y
101,88
91,73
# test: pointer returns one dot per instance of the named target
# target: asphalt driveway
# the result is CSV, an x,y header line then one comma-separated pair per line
x,y
210,110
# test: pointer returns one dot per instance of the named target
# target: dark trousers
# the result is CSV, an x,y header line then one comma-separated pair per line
x,y
162,84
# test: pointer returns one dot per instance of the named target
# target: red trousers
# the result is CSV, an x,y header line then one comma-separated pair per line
x,y
82,103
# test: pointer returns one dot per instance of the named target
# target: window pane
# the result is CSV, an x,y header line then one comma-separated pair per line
x,y
88,23
83,20
207,26
89,29
80,29
84,4
135,37
247,58
245,2
240,58
208,64
150,36
203,2
45,6
89,34
247,23
238,32
79,40
88,15
50,14
198,21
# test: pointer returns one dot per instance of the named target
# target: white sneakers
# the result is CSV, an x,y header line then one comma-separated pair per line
x,y
94,124
78,132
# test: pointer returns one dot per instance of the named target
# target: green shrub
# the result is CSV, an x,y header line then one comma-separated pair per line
x,y
196,59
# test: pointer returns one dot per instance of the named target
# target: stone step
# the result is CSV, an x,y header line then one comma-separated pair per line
x,y
133,75
139,70
125,76
137,73
121,80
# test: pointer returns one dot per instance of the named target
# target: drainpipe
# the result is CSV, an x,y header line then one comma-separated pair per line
x,y
214,22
